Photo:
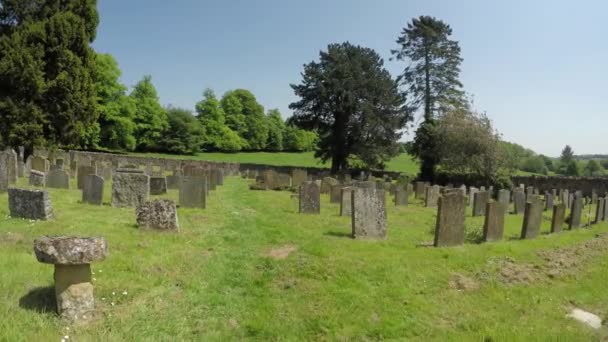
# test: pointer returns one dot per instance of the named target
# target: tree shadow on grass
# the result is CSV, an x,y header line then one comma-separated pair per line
x,y
339,234
40,299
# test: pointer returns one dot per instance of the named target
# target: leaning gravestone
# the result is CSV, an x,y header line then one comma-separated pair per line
x,y
310,198
92,191
130,188
83,172
335,193
346,201
519,202
29,204
193,192
368,213
58,179
494,224
576,213
599,212
37,178
401,197
559,216
158,185
432,196
479,203
533,216
449,228
72,257
160,214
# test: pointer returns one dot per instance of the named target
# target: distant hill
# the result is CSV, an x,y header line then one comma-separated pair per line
x,y
591,156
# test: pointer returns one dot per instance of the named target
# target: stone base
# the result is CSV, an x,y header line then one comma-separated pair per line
x,y
74,292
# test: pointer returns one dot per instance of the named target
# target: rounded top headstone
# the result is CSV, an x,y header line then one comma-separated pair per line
x,y
69,250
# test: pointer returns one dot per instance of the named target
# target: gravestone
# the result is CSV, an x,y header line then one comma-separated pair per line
x,y
432,196
449,228
471,199
576,213
529,192
327,183
606,208
83,172
192,192
504,198
130,188
29,204
218,176
401,197
283,181
565,198
549,203
559,217
494,224
105,172
158,185
8,168
368,213
599,212
39,164
173,182
346,201
533,216
570,200
310,198
92,191
419,188
335,194
37,178
298,177
519,202
160,214
479,203
58,179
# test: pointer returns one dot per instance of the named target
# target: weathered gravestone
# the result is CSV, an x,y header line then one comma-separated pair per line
x,y
8,168
346,201
158,185
29,204
58,179
494,224
130,188
479,203
39,164
92,191
471,199
432,196
576,213
449,228
504,198
559,217
159,214
519,202
571,198
83,172
599,212
72,257
401,196
565,198
529,192
298,177
368,213
327,183
606,208
218,176
173,182
419,188
192,192
533,216
37,178
335,193
310,198
549,201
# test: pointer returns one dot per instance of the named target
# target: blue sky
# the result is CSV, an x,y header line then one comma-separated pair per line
x,y
538,68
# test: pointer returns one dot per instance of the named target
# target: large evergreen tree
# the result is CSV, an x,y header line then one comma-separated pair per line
x,y
354,104
47,92
216,134
150,116
431,80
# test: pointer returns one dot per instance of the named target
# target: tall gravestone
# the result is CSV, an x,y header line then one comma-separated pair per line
x,y
29,204
401,197
335,193
431,198
504,198
549,203
58,179
130,188
192,192
472,192
8,168
309,198
419,188
83,172
449,228
576,213
606,208
533,216
479,203
558,218
565,198
346,201
494,224
519,202
92,191
368,213
599,212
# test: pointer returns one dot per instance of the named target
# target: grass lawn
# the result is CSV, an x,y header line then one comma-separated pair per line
x,y
403,163
216,280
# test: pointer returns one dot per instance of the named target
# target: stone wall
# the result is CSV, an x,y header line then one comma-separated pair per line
x,y
585,184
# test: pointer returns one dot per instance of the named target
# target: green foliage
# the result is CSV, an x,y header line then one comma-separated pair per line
x,y
217,136
150,117
116,109
245,116
353,103
593,168
549,164
299,140
567,155
276,129
184,134
572,169
534,164
514,155
47,92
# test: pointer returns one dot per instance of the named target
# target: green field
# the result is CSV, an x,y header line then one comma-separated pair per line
x,y
222,278
403,163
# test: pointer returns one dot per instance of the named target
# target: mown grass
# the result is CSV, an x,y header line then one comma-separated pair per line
x,y
215,281
403,163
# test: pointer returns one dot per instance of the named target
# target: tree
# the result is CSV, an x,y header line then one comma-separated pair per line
x,y
276,130
572,168
534,164
431,80
548,162
47,93
184,133
593,168
299,140
353,103
567,155
116,109
150,117
245,116
216,134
